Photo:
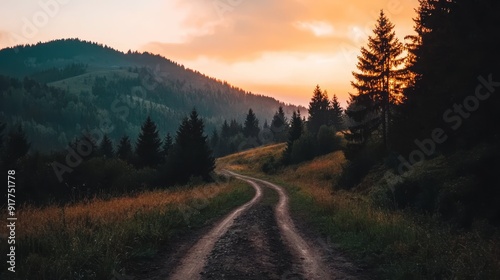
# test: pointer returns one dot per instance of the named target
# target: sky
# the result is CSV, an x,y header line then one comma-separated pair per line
x,y
279,48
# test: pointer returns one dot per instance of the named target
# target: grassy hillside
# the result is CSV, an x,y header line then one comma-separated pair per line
x,y
394,244
97,239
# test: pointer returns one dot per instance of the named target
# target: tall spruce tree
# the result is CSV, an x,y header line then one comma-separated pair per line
x,y
279,126
336,114
106,147
454,51
318,111
124,149
148,147
192,155
294,133
251,127
380,78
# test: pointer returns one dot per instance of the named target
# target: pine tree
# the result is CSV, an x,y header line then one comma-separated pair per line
x,y
279,126
251,127
266,125
380,80
148,147
106,147
318,111
294,133
192,155
336,114
124,149
235,128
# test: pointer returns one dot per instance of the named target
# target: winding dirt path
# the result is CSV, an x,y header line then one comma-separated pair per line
x,y
259,240
312,265
192,264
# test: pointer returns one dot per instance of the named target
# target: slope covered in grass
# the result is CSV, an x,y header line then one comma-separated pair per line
x,y
97,239
394,244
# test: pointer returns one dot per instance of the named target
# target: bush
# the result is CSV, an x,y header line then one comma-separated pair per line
x,y
359,164
271,165
328,141
303,149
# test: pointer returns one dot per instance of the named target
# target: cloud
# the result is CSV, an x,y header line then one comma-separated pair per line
x,y
318,28
235,30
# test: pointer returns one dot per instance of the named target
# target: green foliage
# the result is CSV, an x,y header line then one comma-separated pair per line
x,y
271,165
148,147
378,82
336,113
55,74
124,149
106,147
191,155
319,110
279,126
251,126
327,139
294,133
304,148
16,146
358,166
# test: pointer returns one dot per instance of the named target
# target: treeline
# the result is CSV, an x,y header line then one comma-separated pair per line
x,y
96,167
54,114
234,137
56,74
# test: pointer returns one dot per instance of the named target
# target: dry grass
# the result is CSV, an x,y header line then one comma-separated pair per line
x,y
94,240
397,245
116,210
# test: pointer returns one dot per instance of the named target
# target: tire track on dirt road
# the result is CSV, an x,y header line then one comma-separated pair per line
x,y
192,264
312,265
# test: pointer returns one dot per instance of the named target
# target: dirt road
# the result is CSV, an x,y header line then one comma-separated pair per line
x,y
259,240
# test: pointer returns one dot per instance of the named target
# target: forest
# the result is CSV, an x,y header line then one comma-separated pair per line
x,y
431,98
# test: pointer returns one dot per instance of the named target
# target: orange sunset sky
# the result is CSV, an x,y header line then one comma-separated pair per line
x,y
280,48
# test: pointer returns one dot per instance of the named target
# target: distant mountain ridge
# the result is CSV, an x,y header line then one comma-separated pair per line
x,y
66,86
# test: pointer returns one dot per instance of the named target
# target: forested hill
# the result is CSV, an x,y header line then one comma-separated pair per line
x,y
55,90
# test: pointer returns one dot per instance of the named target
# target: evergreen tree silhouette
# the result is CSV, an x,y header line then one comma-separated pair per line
x,y
251,127
379,80
336,114
295,132
279,126
192,155
124,149
318,111
148,147
106,147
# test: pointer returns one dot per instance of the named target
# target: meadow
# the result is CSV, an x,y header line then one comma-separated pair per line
x,y
98,239
390,244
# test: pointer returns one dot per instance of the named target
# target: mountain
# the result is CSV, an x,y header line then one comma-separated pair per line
x,y
59,89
